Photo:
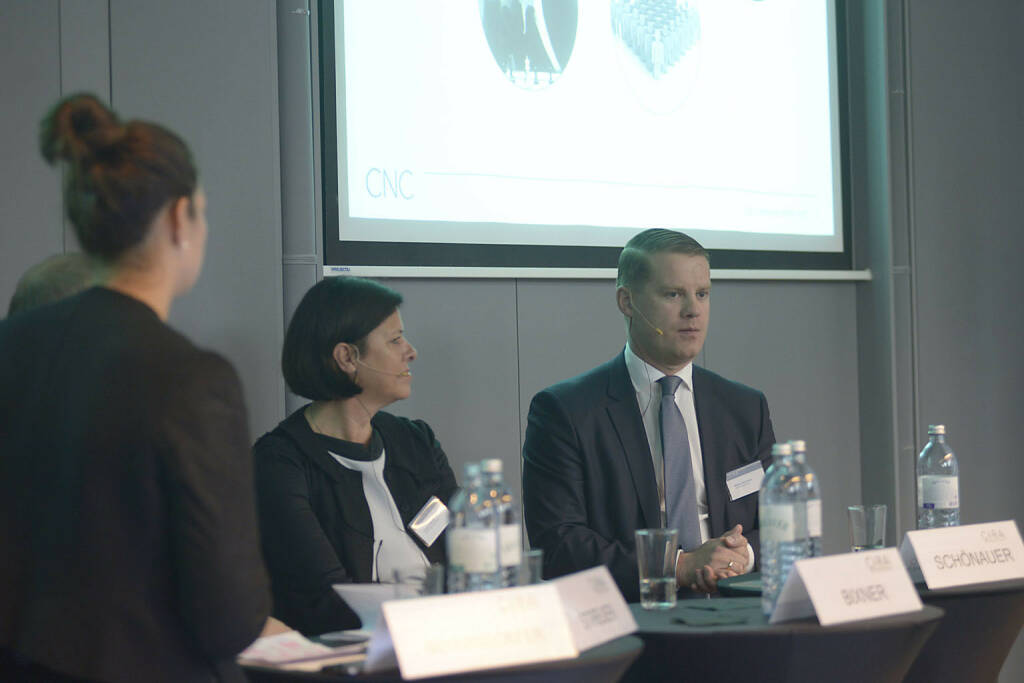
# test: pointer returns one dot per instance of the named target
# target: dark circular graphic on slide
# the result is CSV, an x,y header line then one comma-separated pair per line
x,y
531,40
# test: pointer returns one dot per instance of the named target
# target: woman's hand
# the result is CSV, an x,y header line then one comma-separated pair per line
x,y
273,627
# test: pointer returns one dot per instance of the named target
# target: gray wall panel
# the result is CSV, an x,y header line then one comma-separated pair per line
x,y
209,71
872,110
298,278
899,275
796,342
31,227
296,102
969,203
968,195
565,328
84,60
904,516
299,224
465,382
85,47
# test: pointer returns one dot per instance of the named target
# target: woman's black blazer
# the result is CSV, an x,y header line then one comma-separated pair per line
x,y
315,521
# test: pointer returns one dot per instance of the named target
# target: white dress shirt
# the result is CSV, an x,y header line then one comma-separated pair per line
x,y
648,398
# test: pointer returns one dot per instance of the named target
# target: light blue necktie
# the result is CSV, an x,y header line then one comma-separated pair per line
x,y
680,489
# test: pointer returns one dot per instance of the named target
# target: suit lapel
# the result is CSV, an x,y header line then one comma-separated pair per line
x,y
704,403
629,426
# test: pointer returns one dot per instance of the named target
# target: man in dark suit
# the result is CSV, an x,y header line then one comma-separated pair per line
x,y
648,439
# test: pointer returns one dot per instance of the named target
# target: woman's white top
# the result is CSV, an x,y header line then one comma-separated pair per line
x,y
393,548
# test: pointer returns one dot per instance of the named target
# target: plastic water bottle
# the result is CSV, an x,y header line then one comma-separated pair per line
x,y
782,508
471,537
510,534
938,482
813,496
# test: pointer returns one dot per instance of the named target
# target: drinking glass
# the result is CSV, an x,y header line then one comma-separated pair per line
x,y
867,526
532,566
656,560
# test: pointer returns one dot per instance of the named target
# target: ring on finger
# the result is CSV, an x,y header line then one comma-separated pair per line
x,y
731,563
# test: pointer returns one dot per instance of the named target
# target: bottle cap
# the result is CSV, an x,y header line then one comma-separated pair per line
x,y
491,466
782,449
799,445
936,429
472,470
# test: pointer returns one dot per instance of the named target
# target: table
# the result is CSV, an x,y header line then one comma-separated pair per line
x,y
972,642
604,663
983,620
877,650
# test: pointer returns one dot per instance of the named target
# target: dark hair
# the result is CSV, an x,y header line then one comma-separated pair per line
x,y
334,310
51,280
635,262
119,174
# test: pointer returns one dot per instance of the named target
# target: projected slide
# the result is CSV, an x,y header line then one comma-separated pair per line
x,y
555,122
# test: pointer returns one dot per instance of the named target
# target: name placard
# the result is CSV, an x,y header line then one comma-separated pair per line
x,y
448,634
595,608
964,555
849,587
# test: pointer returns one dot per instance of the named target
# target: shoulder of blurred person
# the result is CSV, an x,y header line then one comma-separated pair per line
x,y
51,280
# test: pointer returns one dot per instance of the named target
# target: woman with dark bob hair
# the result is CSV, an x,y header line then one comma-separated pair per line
x,y
128,527
342,485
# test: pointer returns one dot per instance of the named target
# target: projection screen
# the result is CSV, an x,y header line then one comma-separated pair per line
x,y
517,135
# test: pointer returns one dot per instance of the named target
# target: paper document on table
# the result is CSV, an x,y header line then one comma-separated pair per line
x,y
285,650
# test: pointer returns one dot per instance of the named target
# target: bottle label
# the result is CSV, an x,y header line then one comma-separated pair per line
x,y
511,545
777,523
938,492
473,550
814,518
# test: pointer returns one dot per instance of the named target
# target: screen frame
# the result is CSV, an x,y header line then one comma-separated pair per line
x,y
431,259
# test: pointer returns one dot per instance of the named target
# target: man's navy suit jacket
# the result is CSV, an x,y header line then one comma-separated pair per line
x,y
588,476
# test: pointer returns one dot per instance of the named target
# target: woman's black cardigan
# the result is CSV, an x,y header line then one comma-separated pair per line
x,y
315,523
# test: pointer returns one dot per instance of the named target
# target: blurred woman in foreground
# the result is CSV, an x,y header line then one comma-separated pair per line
x,y
127,523
347,492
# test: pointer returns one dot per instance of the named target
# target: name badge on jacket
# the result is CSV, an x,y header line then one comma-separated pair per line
x,y
430,521
745,480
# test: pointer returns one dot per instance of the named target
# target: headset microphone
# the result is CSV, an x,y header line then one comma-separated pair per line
x,y
653,326
383,372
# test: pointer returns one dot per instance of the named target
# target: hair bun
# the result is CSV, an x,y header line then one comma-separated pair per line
x,y
76,128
